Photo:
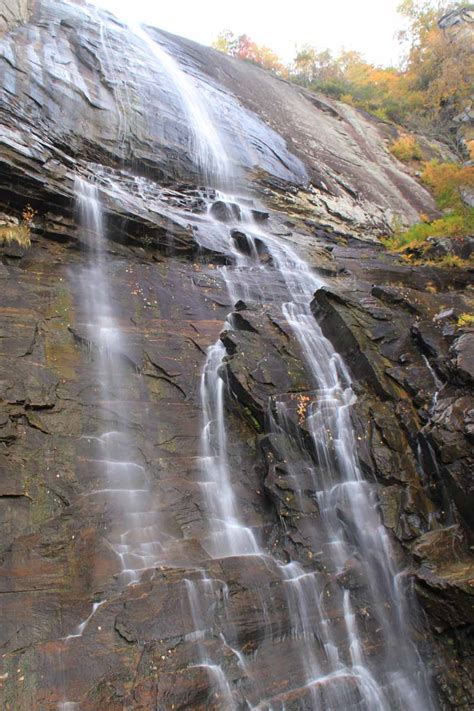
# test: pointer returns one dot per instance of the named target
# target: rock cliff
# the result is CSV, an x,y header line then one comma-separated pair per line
x,y
82,95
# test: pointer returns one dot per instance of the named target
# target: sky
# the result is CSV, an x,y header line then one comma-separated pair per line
x,y
368,26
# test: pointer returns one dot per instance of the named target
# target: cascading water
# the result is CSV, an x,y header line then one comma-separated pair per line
x,y
340,486
118,482
399,678
322,631
206,146
396,680
227,534
133,533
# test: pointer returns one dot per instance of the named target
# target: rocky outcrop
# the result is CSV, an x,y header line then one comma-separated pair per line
x,y
13,13
80,107
324,182
397,329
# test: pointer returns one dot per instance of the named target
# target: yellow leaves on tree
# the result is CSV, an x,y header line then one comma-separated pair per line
x,y
440,62
351,79
406,149
433,87
447,180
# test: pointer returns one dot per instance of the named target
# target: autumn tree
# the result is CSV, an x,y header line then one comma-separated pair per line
x,y
312,67
349,77
432,86
242,47
439,67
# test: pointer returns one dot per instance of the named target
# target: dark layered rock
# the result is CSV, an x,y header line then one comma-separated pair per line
x,y
404,347
462,350
444,247
323,174
225,211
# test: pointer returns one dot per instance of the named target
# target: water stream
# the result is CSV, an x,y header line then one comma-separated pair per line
x,y
206,146
350,529
335,670
227,535
122,482
350,526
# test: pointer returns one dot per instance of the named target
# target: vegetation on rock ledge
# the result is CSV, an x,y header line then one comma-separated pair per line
x,y
450,182
18,232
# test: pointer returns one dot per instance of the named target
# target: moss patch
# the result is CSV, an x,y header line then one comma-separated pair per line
x,y
61,352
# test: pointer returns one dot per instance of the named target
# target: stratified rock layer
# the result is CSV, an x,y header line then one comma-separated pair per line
x,y
323,173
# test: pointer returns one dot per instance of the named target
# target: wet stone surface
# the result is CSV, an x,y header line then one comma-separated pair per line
x,y
174,271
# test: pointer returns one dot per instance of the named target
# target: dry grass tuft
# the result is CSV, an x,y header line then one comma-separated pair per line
x,y
18,233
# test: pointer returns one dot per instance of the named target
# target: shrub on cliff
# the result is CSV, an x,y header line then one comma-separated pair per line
x,y
447,182
18,233
406,149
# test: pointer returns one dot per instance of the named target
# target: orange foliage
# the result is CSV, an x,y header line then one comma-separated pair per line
x,y
244,48
440,63
433,87
28,214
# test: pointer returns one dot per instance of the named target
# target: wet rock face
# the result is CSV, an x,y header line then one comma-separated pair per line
x,y
396,328
82,105
139,648
412,364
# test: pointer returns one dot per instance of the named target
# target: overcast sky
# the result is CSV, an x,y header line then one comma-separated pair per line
x,y
368,26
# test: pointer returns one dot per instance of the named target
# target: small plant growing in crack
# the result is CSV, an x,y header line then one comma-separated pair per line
x,y
18,232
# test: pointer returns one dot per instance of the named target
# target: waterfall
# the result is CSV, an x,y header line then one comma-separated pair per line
x,y
339,484
350,526
206,146
122,482
324,631
227,534
400,678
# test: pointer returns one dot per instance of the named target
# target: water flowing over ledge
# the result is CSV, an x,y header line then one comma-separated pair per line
x,y
336,477
216,535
